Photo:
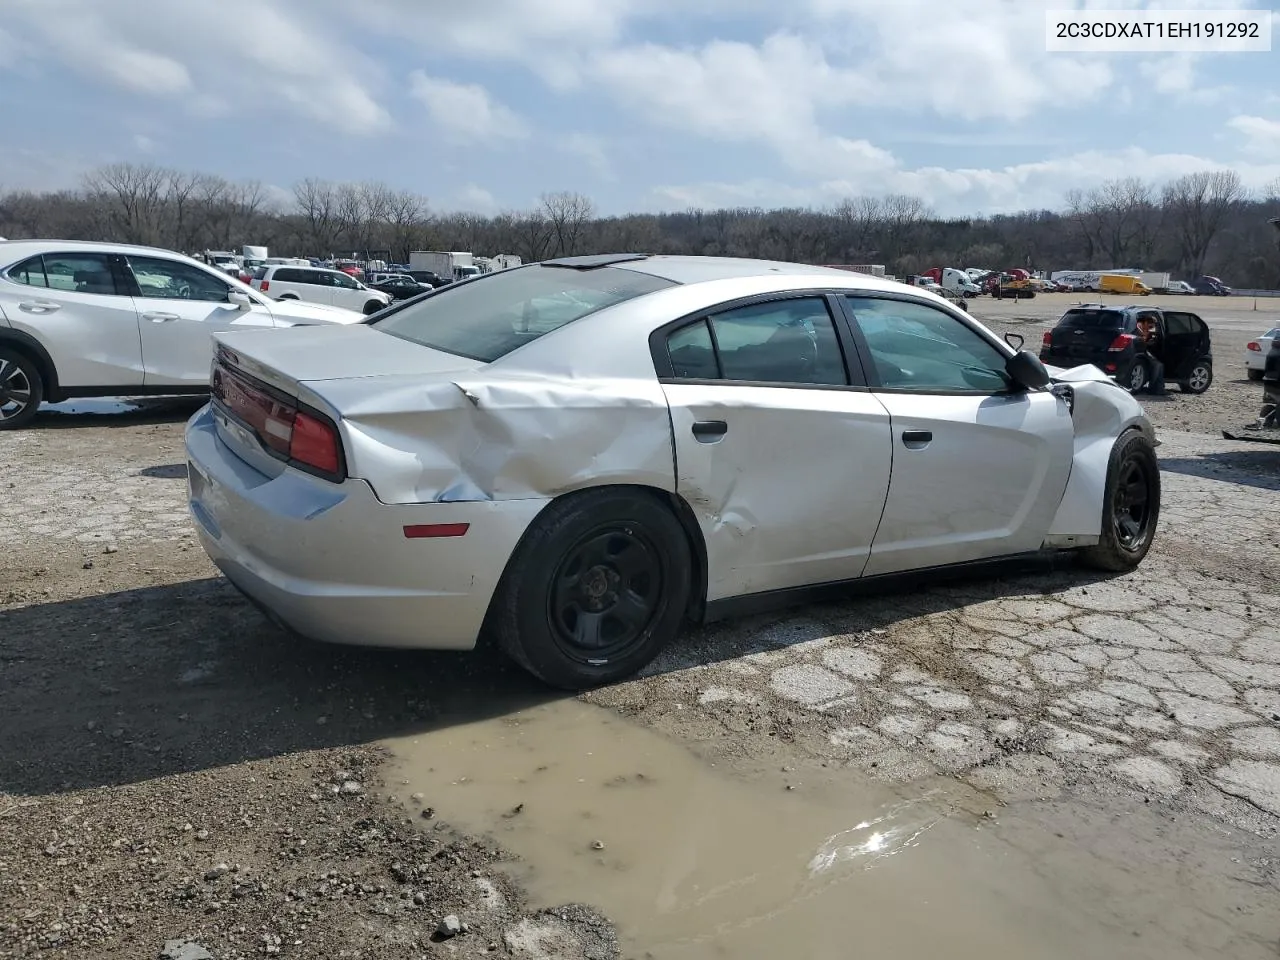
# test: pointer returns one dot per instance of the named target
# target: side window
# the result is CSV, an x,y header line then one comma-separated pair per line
x,y
783,341
345,281
170,280
916,347
691,353
30,271
1178,323
72,272
285,275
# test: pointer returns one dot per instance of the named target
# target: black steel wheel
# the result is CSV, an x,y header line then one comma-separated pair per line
x,y
1131,507
21,389
599,584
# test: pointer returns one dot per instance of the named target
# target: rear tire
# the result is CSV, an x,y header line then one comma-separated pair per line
x,y
597,587
1131,506
21,389
372,307
1135,377
1254,374
1199,379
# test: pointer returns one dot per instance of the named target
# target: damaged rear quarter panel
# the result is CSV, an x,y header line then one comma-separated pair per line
x,y
495,436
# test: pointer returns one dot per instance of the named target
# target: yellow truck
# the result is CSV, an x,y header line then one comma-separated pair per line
x,y
1123,283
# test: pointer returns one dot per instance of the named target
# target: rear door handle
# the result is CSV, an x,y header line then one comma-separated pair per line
x,y
917,439
39,306
709,431
160,317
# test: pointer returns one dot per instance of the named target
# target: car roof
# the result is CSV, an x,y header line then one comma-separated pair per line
x,y
687,269
11,251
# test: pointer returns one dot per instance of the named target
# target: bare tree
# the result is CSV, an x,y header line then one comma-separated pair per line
x,y
1197,205
133,192
568,214
180,188
317,202
406,215
861,219
534,236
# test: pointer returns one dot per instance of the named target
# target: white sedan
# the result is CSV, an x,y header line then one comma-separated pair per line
x,y
577,457
102,320
1255,353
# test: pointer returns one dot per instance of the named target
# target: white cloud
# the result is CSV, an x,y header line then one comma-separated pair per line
x,y
1261,136
593,151
209,57
465,112
143,143
474,199
970,191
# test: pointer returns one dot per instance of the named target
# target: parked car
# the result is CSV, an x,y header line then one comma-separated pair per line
x,y
574,458
1255,353
427,278
93,319
402,288
1108,338
1180,287
316,285
1211,287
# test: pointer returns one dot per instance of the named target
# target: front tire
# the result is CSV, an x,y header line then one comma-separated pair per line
x,y
597,587
1131,506
372,307
21,389
1198,379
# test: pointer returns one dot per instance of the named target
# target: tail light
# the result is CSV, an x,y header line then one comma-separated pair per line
x,y
1254,345
1047,339
1122,342
302,438
264,285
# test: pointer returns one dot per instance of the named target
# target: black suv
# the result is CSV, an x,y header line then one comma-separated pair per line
x,y
1108,337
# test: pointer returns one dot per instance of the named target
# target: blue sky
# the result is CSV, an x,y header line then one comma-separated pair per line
x,y
639,104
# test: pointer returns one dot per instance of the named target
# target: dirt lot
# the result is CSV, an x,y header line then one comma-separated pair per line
x,y
173,768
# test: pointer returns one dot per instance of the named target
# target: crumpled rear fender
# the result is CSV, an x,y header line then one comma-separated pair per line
x,y
494,437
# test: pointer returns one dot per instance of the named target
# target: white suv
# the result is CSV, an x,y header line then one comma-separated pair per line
x,y
84,319
318,285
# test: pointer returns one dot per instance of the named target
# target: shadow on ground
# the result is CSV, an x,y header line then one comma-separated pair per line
x,y
1254,468
129,686
116,412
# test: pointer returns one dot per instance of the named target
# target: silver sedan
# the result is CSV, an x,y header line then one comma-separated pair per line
x,y
575,458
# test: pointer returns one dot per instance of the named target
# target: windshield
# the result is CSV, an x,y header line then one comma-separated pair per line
x,y
1092,320
489,317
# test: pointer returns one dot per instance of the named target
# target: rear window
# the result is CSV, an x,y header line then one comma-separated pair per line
x,y
487,318
1092,320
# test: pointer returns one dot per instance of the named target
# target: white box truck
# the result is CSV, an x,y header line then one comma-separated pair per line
x,y
448,265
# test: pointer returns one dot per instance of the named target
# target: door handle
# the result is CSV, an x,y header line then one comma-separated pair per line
x,y
709,431
916,439
160,317
39,306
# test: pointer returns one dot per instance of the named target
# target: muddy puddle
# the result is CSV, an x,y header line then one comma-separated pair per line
x,y
695,862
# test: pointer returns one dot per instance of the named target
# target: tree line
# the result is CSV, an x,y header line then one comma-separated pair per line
x,y
1203,222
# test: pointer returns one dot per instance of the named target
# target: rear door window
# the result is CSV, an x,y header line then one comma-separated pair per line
x,y
69,272
489,317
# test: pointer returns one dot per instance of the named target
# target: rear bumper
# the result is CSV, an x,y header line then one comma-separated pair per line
x,y
332,562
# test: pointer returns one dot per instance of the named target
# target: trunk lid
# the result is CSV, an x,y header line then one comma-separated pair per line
x,y
259,384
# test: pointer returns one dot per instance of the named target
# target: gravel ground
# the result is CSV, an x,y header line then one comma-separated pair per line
x,y
174,769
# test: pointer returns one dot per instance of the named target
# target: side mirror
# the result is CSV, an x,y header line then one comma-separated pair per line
x,y
1026,370
1010,337
240,299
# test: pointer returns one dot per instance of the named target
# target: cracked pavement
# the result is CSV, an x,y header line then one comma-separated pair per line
x,y
1164,682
